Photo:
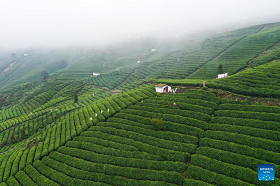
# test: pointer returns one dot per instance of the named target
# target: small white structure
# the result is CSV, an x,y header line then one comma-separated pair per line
x,y
222,75
163,88
25,54
153,50
119,68
95,74
138,61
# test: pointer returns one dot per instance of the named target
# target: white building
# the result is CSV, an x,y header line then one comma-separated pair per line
x,y
25,54
153,50
222,75
163,88
95,74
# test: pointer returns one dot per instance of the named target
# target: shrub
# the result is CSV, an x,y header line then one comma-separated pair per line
x,y
157,123
241,149
111,151
234,158
167,154
268,125
172,136
227,169
167,144
198,173
12,181
188,182
245,140
24,179
204,88
267,134
115,175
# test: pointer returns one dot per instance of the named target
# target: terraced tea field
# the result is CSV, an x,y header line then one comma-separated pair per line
x,y
238,56
261,81
204,141
70,130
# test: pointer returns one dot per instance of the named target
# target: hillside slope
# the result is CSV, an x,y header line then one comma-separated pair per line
x,y
261,81
71,130
202,138
238,56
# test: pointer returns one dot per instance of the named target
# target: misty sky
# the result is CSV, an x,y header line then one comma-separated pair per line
x,y
25,23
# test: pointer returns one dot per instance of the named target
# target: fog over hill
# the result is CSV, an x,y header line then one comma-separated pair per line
x,y
62,23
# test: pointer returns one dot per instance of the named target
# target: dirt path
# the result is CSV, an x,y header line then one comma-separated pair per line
x,y
8,68
263,28
214,58
14,148
126,79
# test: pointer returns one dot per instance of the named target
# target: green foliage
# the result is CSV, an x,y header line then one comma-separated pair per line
x,y
37,177
205,88
24,179
180,105
237,57
188,100
130,126
267,134
268,56
245,140
220,69
93,172
252,108
241,149
52,135
260,81
76,99
231,101
234,158
184,82
110,80
149,148
167,144
191,140
12,181
188,182
169,117
238,172
169,126
95,145
59,177
268,125
45,74
248,114
205,175
185,113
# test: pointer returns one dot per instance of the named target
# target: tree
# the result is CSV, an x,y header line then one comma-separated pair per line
x,y
13,56
64,63
220,69
55,117
157,123
76,98
32,130
45,74
22,133
12,139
